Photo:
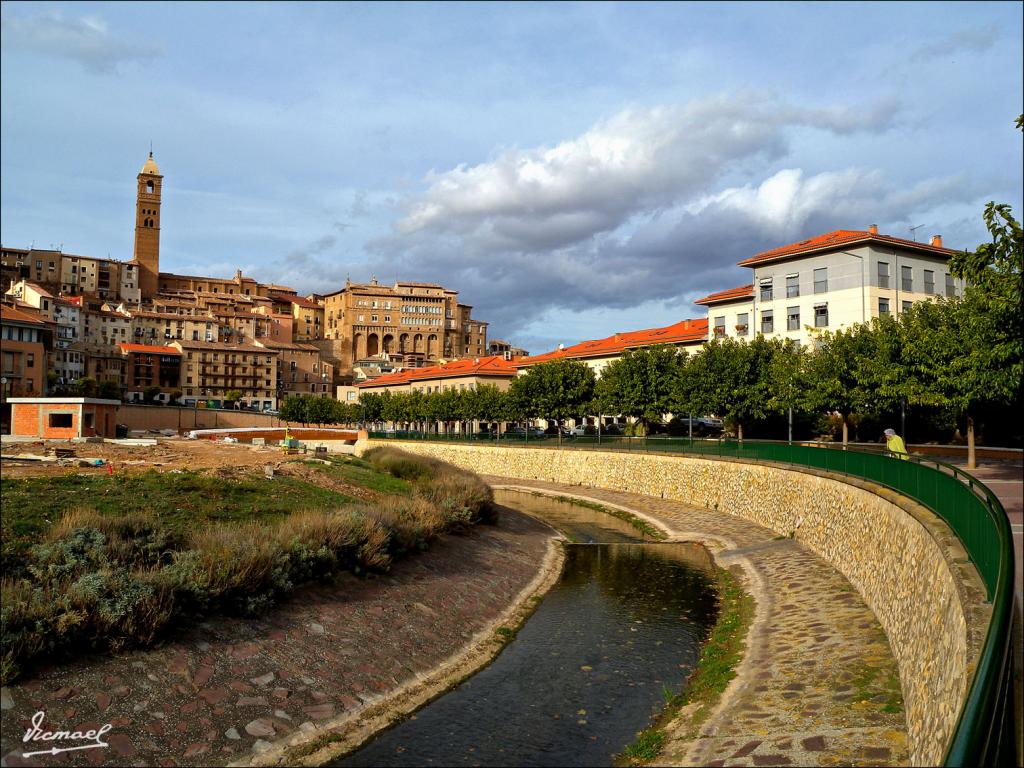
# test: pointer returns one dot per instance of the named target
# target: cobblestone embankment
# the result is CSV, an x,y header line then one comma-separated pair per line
x,y
903,561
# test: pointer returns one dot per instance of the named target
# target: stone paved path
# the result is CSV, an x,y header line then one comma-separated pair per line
x,y
820,673
232,685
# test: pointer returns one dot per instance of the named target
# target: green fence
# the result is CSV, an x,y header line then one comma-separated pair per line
x,y
984,733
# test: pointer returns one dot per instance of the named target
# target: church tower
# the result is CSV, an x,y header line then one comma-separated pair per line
x,y
147,228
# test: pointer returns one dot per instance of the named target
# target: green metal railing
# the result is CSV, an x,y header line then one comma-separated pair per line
x,y
984,734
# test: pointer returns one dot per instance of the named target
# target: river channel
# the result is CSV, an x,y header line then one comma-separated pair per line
x,y
620,630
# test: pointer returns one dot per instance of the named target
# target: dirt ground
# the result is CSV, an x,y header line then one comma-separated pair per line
x,y
168,454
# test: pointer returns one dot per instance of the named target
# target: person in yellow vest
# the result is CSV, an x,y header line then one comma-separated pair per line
x,y
895,444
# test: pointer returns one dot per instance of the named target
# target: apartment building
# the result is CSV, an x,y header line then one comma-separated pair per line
x,y
164,327
307,315
26,341
300,369
685,336
828,282
502,347
148,366
65,358
210,370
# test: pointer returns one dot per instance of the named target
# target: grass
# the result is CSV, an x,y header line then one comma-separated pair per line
x,y
358,472
716,667
870,686
640,524
107,563
180,502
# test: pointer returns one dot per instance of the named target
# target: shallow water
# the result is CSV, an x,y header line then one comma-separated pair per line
x,y
589,669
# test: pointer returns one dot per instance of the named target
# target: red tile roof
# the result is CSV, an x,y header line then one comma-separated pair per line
x,y
12,315
733,294
694,330
494,365
837,239
301,301
148,349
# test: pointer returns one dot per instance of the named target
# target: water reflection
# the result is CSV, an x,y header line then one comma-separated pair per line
x,y
587,670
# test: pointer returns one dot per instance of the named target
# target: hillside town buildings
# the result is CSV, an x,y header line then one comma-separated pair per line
x,y
129,323
208,339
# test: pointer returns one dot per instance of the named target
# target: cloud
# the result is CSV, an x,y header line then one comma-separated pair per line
x,y
637,160
674,254
87,40
974,39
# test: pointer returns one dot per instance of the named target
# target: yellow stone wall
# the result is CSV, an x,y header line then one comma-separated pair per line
x,y
892,557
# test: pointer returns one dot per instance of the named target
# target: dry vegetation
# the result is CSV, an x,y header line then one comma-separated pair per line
x,y
120,568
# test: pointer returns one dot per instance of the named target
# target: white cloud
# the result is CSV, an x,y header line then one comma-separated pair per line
x,y
87,40
637,160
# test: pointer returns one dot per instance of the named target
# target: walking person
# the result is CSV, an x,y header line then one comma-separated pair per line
x,y
895,444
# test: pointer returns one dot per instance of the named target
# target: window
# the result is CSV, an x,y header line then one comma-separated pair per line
x,y
766,289
387,318
950,287
741,324
30,360
821,280
883,274
929,282
767,321
60,420
720,327
361,318
793,319
907,278
883,307
821,316
906,305
792,286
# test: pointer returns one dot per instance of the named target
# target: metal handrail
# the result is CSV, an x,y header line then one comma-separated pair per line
x,y
983,733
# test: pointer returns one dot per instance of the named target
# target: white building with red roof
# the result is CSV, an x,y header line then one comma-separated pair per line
x,y
829,282
456,374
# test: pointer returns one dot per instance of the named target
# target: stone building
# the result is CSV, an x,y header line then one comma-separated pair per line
x,y
422,322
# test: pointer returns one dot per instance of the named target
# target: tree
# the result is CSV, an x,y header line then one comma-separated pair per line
x,y
86,386
641,384
832,382
320,410
559,389
293,408
149,393
786,375
232,396
175,395
109,390
730,379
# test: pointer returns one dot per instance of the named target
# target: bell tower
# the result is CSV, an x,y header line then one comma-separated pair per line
x,y
147,228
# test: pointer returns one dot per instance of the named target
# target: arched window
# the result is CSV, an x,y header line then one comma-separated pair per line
x,y
149,187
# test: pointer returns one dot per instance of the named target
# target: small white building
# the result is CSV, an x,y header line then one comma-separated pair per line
x,y
829,282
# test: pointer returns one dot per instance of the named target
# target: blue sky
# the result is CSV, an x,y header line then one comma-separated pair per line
x,y
572,169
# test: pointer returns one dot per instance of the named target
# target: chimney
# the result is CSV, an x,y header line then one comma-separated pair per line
x,y
873,229
937,241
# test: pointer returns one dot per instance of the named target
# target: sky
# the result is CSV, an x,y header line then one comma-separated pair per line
x,y
572,169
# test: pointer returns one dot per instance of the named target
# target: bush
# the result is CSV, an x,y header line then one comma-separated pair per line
x,y
107,582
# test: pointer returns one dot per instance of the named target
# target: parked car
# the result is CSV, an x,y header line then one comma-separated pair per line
x,y
518,431
578,431
613,429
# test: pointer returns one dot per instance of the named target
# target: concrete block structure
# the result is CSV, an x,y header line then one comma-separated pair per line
x,y
63,418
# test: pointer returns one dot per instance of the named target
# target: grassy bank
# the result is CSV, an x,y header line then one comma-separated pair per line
x,y
115,562
716,667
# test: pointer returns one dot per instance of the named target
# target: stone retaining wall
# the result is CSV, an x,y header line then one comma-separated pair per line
x,y
902,563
